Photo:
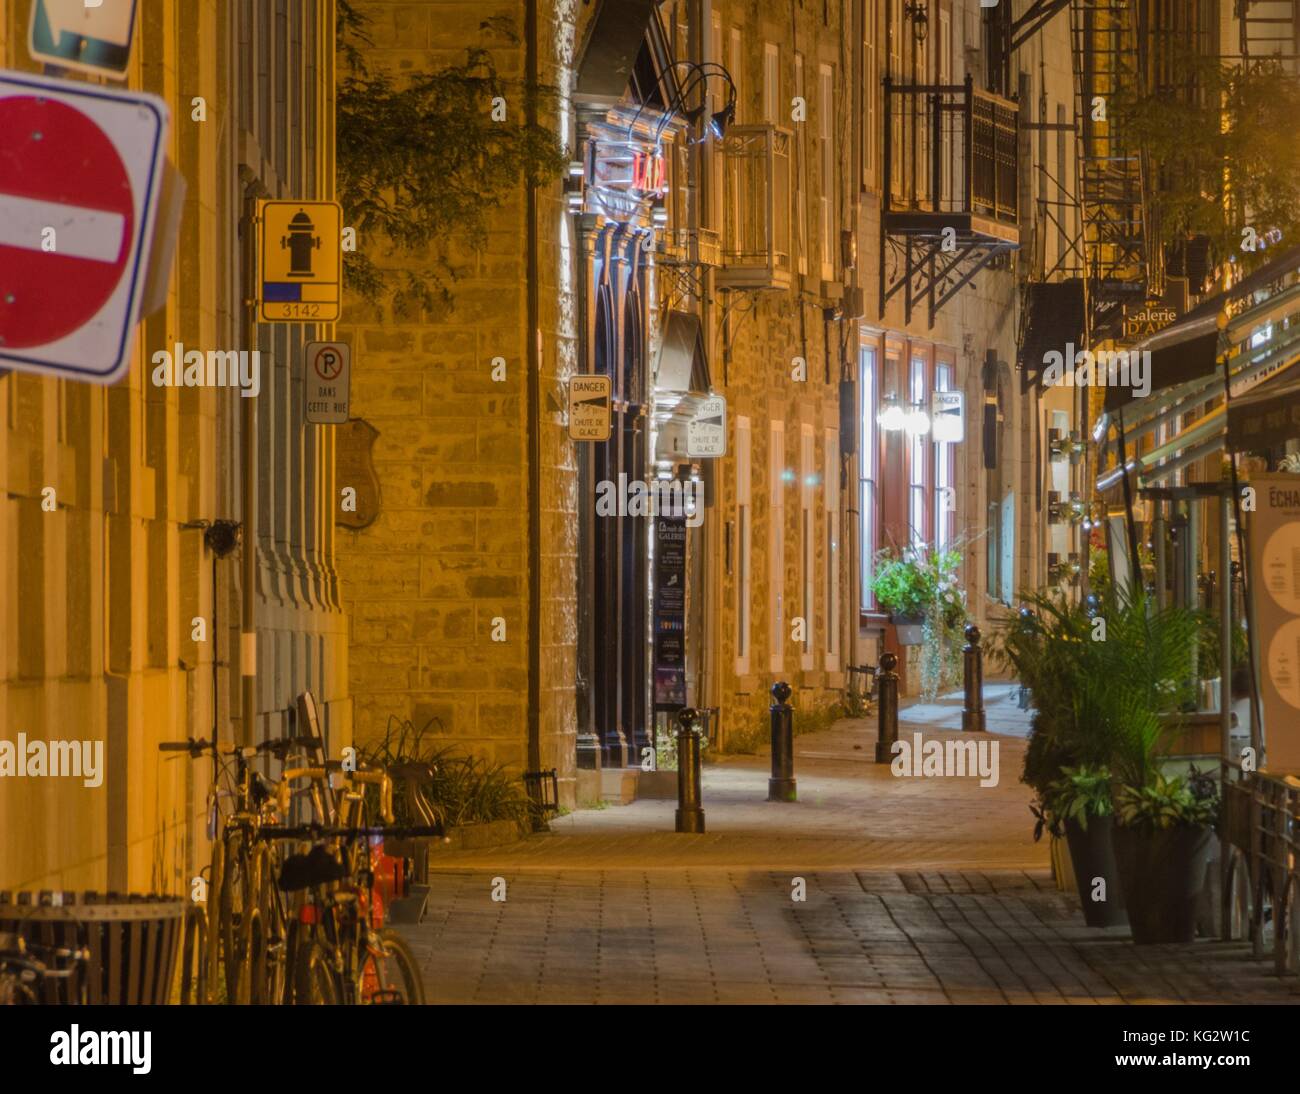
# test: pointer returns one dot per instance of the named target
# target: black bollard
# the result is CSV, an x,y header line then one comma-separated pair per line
x,y
690,816
887,707
780,787
972,715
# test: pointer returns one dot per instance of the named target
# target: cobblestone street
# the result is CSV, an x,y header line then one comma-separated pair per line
x,y
729,936
917,890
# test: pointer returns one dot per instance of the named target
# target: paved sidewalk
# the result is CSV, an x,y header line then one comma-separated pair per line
x,y
851,813
916,890
719,936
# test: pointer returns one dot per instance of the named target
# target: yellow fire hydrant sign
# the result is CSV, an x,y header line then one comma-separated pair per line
x,y
300,261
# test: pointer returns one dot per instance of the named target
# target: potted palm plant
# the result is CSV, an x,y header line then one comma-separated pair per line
x,y
1048,645
1139,674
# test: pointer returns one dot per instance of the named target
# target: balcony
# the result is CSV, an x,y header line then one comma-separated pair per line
x,y
756,208
949,206
689,247
951,161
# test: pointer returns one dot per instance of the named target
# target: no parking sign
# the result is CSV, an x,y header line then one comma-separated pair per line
x,y
81,169
326,381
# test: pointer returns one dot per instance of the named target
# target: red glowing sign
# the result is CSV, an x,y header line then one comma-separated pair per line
x,y
648,172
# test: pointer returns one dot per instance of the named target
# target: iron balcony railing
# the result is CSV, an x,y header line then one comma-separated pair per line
x,y
950,149
756,205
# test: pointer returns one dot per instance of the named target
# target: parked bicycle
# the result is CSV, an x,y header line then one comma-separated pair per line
x,y
239,939
342,951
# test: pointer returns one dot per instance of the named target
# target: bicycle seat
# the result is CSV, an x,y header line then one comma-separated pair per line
x,y
316,867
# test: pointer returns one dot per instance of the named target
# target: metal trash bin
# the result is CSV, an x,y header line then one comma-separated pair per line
x,y
130,941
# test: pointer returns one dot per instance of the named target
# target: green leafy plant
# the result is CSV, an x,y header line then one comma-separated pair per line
x,y
1219,141
1100,685
918,581
1165,803
1081,793
462,789
922,584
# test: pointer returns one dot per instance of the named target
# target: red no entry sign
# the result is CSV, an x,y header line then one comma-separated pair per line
x,y
80,172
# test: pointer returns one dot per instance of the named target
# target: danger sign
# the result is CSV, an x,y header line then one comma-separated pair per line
x,y
326,382
80,173
589,408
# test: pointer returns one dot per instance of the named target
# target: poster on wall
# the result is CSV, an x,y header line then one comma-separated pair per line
x,y
670,613
1275,597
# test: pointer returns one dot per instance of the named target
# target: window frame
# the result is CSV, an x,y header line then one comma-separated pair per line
x,y
868,467
776,545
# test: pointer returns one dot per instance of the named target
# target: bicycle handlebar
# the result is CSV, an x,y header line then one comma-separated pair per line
x,y
277,746
323,831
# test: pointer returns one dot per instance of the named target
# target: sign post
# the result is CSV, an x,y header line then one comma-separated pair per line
x,y
589,408
706,433
81,170
325,381
299,261
85,36
947,417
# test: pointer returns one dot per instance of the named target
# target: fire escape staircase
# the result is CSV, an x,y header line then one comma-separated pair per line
x,y
1269,32
1122,264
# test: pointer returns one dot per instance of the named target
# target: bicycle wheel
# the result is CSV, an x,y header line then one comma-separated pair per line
x,y
393,976
313,977
236,913
212,971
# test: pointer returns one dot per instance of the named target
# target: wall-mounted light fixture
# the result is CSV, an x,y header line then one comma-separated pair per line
x,y
920,20
891,417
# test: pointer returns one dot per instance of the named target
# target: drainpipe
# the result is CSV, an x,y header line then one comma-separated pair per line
x,y
533,411
248,475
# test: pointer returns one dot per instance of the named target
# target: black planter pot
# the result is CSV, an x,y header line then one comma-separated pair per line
x,y
1092,854
1162,872
908,628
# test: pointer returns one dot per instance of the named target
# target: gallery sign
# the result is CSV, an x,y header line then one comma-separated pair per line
x,y
670,613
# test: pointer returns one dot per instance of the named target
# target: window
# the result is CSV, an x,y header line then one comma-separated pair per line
x,y
744,521
800,175
868,494
807,539
827,188
776,546
945,491
771,83
916,509
831,501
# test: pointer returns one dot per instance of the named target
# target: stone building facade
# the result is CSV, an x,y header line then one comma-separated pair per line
x,y
446,630
108,627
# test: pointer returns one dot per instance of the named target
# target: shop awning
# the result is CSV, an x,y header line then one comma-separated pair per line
x,y
682,365
609,54
1187,351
